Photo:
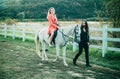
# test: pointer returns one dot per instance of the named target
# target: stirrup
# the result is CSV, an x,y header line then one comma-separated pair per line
x,y
50,45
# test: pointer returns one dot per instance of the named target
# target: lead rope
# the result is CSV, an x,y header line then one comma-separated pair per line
x,y
63,35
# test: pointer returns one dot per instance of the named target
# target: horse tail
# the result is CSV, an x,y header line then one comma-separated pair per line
x,y
38,46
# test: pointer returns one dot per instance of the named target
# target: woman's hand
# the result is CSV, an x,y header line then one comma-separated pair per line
x,y
88,43
57,24
58,27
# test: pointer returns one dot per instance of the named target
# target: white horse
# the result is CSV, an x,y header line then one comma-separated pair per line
x,y
60,41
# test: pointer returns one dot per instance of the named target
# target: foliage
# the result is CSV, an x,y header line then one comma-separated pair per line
x,y
10,21
36,9
21,16
112,11
113,56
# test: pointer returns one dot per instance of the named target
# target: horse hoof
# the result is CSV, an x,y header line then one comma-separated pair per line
x,y
55,60
66,65
46,59
43,59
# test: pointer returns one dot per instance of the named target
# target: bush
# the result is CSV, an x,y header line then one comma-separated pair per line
x,y
21,16
113,55
97,19
10,21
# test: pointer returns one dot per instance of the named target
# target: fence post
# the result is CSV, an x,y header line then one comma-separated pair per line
x,y
5,30
23,33
104,41
13,31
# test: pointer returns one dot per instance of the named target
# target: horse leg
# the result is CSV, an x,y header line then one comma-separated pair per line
x,y
57,53
44,47
43,50
64,56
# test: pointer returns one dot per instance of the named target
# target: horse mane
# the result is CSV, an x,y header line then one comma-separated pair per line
x,y
67,29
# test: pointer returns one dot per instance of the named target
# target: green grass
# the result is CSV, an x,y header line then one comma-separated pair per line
x,y
110,60
18,60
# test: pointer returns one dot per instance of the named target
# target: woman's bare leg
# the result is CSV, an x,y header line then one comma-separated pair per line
x,y
51,37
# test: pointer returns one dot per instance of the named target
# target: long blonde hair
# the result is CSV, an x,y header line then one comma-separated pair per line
x,y
49,11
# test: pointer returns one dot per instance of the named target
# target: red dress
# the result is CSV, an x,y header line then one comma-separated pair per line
x,y
53,23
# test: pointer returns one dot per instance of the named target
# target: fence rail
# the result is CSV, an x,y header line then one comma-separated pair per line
x,y
15,30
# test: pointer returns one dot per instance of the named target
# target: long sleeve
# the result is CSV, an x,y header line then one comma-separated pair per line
x,y
84,37
52,23
88,37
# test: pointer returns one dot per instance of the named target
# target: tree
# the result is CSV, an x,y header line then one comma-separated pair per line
x,y
36,9
21,16
112,11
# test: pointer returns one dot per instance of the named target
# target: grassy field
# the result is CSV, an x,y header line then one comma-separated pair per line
x,y
18,60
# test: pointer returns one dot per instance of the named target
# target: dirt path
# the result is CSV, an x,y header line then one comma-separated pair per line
x,y
19,61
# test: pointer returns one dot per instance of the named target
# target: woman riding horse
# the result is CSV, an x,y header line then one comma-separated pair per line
x,y
51,16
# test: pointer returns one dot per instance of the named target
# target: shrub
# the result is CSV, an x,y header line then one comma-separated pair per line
x,y
113,55
10,21
21,16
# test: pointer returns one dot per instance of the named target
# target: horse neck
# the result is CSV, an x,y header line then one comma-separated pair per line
x,y
68,30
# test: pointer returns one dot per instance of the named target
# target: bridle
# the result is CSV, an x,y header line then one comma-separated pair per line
x,y
64,35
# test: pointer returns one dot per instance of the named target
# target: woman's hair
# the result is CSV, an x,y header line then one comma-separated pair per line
x,y
85,26
49,11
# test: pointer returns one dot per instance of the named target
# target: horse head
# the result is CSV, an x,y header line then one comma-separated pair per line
x,y
76,33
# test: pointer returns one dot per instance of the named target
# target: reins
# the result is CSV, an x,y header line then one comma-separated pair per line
x,y
63,35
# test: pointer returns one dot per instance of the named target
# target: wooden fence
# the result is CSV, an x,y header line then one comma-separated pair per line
x,y
105,39
13,30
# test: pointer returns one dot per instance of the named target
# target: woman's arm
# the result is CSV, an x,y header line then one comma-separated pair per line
x,y
88,38
51,22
